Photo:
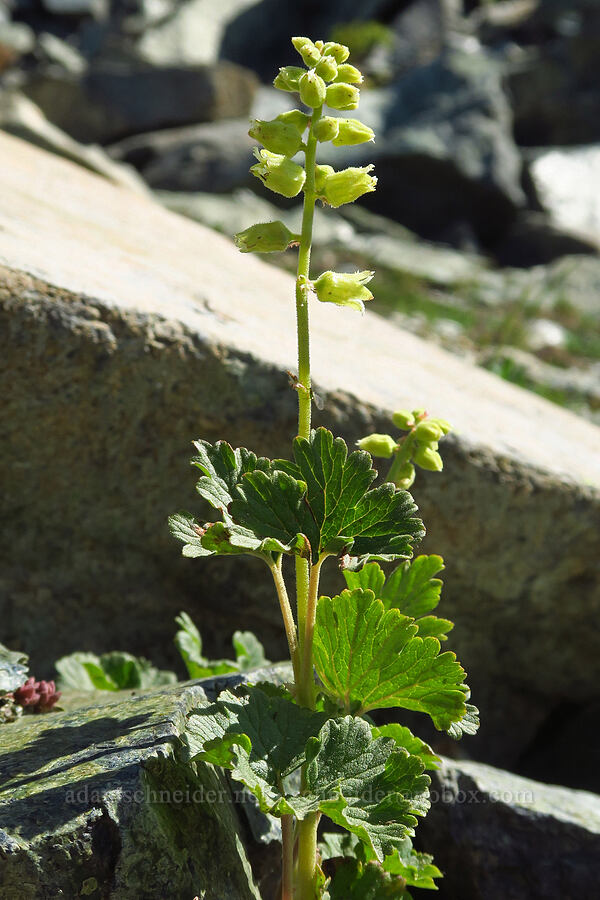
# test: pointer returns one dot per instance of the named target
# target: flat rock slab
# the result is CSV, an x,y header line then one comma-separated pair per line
x,y
99,802
495,835
127,331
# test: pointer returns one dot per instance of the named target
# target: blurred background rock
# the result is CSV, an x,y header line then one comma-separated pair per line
x,y
486,237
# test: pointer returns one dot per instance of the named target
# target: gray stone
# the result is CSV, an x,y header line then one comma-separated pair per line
x,y
101,801
567,183
128,331
16,39
496,835
215,156
119,98
22,118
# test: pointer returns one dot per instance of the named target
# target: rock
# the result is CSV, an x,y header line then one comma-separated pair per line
x,y
22,118
444,147
567,183
533,239
141,331
211,157
545,333
54,51
192,34
117,99
98,9
496,835
16,39
100,801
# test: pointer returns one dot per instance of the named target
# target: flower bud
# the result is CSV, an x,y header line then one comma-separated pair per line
x,y
326,128
429,459
322,172
327,68
405,477
294,117
307,50
319,45
265,238
278,173
445,426
420,412
428,431
312,89
276,136
352,131
349,74
348,185
403,420
288,78
339,51
382,445
344,289
342,96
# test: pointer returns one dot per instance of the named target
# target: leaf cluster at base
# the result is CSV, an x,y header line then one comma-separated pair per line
x,y
319,504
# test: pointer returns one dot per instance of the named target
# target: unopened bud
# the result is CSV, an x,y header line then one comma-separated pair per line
x,y
352,131
420,412
294,117
344,289
288,78
278,173
428,458
322,173
428,431
403,419
405,477
342,96
348,185
265,238
349,74
312,89
307,50
339,51
326,128
382,445
327,68
276,136
445,426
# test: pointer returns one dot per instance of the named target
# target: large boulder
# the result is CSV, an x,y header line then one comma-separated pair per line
x,y
128,331
100,801
495,835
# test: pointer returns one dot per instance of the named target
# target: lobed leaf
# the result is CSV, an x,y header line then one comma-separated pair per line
x,y
368,658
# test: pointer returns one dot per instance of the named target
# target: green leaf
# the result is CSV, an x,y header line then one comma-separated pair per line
x,y
13,669
378,523
369,658
189,643
249,651
404,737
416,869
110,672
260,736
411,588
365,785
184,527
223,469
468,724
355,880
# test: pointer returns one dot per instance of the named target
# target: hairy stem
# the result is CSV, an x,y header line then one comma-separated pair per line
x,y
307,857
402,456
303,274
306,685
287,857
286,612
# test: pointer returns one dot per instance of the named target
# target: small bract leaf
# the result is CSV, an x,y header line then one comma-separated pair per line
x,y
269,237
370,658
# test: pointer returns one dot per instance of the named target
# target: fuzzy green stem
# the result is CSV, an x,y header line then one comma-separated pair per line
x,y
306,682
286,612
303,275
287,857
307,857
